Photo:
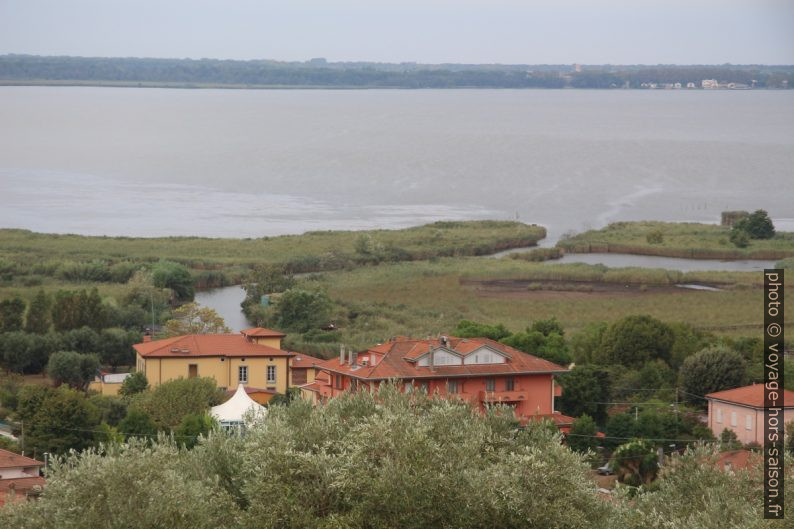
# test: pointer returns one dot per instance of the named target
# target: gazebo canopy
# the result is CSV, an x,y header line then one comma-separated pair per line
x,y
233,411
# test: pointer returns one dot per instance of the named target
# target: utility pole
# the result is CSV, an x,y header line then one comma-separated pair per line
x,y
151,298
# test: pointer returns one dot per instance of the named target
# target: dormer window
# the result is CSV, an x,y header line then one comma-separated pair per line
x,y
440,358
484,355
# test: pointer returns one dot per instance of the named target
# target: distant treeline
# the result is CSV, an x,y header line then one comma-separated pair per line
x,y
28,69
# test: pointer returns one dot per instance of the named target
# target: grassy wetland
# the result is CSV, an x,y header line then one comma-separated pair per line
x,y
676,239
52,261
431,297
416,281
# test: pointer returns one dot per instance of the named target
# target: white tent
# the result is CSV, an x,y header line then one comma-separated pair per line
x,y
238,411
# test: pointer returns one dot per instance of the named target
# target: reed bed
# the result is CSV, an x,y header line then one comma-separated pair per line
x,y
686,240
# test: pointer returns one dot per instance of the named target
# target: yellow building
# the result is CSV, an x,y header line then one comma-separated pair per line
x,y
252,358
108,384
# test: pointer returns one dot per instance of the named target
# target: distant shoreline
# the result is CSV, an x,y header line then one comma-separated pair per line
x,y
32,70
222,86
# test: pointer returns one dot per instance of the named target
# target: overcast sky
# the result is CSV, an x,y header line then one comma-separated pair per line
x,y
471,31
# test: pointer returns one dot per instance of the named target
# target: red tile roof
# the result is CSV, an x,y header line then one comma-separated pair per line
x,y
752,396
557,418
250,391
396,359
313,386
228,345
21,484
301,360
738,460
261,332
12,460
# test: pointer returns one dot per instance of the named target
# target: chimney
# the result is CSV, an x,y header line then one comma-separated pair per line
x,y
353,358
341,355
147,338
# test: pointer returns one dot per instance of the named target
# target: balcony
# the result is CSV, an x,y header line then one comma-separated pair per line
x,y
503,396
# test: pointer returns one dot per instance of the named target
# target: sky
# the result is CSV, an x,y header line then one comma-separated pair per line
x,y
428,31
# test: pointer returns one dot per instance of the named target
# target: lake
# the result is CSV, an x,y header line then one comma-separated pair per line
x,y
247,163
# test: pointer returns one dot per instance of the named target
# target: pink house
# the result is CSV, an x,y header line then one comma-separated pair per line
x,y
742,410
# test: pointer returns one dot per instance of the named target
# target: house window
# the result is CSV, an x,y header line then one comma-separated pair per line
x,y
510,384
490,384
271,374
733,418
452,386
408,386
748,422
719,415
192,370
425,386
338,381
242,374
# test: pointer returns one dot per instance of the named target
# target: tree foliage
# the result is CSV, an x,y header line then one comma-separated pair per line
x,y
713,369
267,278
191,318
168,274
361,461
78,308
56,420
12,312
551,347
116,346
585,391
192,426
135,383
76,370
39,317
635,463
582,436
301,310
757,225
693,491
171,401
137,424
634,340
472,329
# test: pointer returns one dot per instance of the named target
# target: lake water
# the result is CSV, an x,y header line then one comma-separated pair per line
x,y
226,302
126,161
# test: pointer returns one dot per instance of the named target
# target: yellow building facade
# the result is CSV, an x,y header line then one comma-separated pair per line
x,y
254,360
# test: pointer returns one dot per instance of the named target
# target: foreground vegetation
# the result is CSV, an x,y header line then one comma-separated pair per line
x,y
378,461
677,239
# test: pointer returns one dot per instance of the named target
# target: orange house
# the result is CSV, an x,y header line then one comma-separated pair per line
x,y
477,370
